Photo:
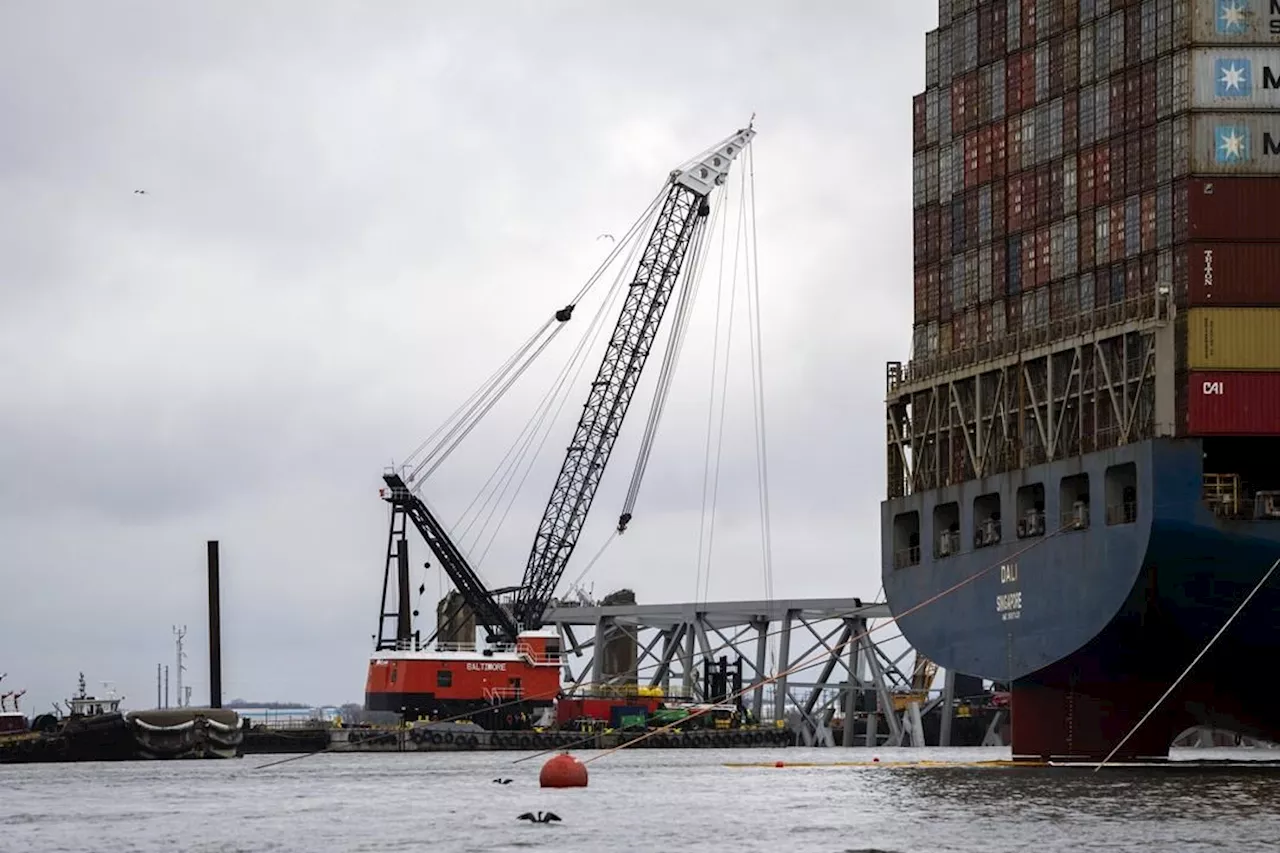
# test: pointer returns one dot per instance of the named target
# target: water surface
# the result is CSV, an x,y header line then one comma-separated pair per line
x,y
642,800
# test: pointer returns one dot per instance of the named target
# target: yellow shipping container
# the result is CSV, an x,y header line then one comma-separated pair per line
x,y
1233,339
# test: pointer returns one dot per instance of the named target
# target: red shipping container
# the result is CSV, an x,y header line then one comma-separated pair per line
x,y
986,45
1055,67
1102,170
1149,159
1133,162
1242,209
1133,34
1148,275
918,127
1013,144
984,324
971,218
1223,403
998,228
957,106
1132,278
1043,197
1229,274
918,298
944,231
999,271
1071,14
1133,98
1087,241
1013,85
1148,221
1117,230
1117,102
1070,122
999,30
1086,180
1043,270
918,235
1117,159
931,293
1071,60
1028,35
1014,200
1054,213
984,155
998,149
971,100
971,159
944,292
1028,75
1054,24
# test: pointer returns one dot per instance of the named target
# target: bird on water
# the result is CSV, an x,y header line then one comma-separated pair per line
x,y
541,817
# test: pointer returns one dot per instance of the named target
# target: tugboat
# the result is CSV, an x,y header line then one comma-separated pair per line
x,y
12,721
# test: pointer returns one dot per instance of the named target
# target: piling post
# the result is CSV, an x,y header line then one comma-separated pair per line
x,y
215,629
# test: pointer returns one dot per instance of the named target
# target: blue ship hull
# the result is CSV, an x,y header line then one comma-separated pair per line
x,y
1090,626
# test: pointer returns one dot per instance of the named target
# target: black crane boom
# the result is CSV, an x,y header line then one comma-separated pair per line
x,y
487,609
683,214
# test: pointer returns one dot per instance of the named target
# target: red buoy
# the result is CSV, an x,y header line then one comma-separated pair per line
x,y
563,771
779,764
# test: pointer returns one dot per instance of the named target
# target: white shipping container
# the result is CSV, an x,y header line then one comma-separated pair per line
x,y
917,179
1102,49
1179,64
944,113
984,274
1148,34
1086,292
1164,87
931,58
1234,78
1070,195
1117,40
1013,25
1229,22
997,89
1235,143
1164,25
1086,53
998,326
1042,70
944,172
945,37
931,339
931,176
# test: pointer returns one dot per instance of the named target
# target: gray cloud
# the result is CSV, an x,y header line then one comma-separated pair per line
x,y
352,215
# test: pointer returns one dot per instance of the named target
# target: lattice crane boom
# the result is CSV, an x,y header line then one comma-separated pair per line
x,y
683,214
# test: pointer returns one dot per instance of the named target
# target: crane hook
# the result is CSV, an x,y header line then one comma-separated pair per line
x,y
564,313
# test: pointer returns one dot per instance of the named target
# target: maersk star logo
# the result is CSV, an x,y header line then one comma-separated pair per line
x,y
1232,17
1232,144
1232,78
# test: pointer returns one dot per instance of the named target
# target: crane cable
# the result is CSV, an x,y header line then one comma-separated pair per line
x,y
839,647
675,346
708,521
586,344
505,472
482,400
757,386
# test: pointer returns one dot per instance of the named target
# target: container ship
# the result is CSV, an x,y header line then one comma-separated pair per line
x,y
1084,447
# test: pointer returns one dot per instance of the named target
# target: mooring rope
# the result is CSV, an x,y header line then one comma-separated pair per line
x,y
1191,665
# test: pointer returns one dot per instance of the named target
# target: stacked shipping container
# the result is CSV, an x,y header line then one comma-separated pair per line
x,y
1070,155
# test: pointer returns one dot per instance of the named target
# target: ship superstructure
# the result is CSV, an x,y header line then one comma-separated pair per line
x,y
1081,450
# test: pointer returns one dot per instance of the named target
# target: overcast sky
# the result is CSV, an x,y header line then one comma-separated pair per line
x,y
353,214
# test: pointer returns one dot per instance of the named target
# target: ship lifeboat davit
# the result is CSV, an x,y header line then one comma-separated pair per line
x,y
563,771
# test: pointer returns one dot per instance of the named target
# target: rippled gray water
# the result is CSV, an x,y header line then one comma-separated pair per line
x,y
639,800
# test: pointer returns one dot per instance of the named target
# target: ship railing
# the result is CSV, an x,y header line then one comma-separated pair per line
x,y
1076,518
1122,513
1222,493
906,557
464,647
1038,332
498,694
536,655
